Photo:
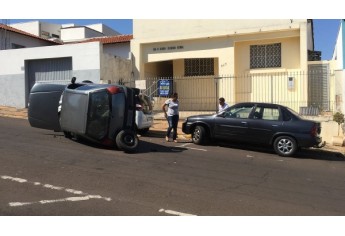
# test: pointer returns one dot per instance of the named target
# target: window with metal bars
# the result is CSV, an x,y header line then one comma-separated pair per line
x,y
265,56
199,66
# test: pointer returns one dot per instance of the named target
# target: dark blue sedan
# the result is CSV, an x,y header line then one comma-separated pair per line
x,y
259,123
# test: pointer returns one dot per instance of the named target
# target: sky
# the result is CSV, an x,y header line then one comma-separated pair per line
x,y
325,30
325,35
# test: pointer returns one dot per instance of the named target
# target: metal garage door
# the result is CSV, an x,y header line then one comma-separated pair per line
x,y
56,70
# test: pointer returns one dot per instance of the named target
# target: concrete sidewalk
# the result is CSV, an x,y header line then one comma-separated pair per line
x,y
13,112
160,125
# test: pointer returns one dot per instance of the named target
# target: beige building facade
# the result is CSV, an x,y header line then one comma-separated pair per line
x,y
241,60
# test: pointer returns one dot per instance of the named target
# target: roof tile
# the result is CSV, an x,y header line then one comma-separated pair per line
x,y
110,39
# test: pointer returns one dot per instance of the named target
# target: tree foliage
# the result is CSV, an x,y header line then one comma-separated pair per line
x,y
339,118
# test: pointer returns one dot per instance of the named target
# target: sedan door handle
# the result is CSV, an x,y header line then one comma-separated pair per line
x,y
275,125
243,122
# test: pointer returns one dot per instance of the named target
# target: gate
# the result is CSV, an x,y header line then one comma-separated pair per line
x,y
295,89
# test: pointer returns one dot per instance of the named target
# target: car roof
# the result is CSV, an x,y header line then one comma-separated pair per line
x,y
259,104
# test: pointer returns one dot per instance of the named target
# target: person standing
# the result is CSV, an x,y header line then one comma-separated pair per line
x,y
222,105
172,115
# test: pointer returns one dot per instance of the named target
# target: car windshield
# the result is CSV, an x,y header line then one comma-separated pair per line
x,y
98,115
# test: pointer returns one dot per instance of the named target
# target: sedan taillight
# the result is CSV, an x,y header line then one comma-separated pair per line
x,y
314,130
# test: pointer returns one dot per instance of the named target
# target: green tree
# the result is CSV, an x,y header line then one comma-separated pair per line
x,y
339,118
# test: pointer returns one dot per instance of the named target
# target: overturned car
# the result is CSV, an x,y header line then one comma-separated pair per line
x,y
102,113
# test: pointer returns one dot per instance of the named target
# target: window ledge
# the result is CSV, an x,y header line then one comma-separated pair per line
x,y
266,70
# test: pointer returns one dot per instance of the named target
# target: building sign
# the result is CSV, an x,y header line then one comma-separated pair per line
x,y
167,48
140,84
164,87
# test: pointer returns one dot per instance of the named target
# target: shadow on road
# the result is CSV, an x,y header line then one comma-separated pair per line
x,y
320,154
304,153
148,147
155,134
143,146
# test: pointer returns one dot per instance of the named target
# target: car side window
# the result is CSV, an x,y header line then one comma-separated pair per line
x,y
270,113
241,112
286,115
257,115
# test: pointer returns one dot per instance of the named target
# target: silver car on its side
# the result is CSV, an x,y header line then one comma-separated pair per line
x,y
102,113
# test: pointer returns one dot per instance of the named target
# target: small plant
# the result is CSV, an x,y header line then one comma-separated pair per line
x,y
339,118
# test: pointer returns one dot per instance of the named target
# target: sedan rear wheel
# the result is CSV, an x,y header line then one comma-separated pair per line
x,y
285,146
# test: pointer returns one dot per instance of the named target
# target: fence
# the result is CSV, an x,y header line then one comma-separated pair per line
x,y
301,91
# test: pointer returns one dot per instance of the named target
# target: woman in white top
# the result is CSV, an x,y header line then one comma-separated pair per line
x,y
172,115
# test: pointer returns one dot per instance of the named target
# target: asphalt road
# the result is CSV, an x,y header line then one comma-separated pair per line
x,y
43,173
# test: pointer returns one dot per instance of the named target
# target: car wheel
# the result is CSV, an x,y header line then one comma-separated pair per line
x,y
199,135
127,140
285,146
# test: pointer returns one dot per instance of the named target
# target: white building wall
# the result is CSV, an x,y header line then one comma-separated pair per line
x,y
339,90
70,34
310,39
116,70
119,50
37,27
78,34
336,65
338,49
27,41
163,29
32,27
91,33
103,29
51,29
151,34
85,64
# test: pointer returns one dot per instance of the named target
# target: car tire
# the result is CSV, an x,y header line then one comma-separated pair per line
x,y
127,140
199,135
285,146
